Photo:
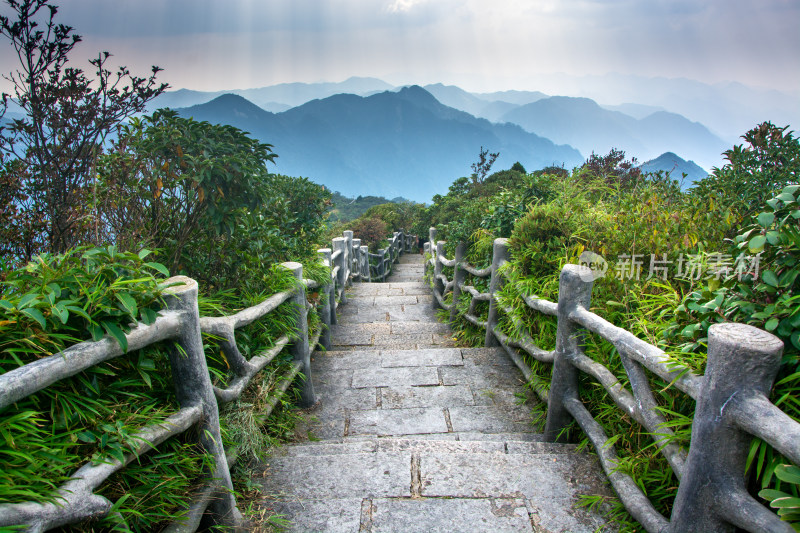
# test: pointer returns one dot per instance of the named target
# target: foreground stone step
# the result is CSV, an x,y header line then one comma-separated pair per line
x,y
411,485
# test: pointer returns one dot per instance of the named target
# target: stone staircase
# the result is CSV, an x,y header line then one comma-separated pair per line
x,y
412,434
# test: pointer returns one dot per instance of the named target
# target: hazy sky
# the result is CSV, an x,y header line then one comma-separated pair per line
x,y
478,44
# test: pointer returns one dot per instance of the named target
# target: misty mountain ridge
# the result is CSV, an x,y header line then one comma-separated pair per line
x,y
403,143
584,124
676,166
727,109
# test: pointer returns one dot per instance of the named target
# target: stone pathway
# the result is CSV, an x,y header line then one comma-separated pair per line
x,y
413,434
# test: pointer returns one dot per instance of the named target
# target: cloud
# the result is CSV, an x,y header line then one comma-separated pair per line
x,y
403,6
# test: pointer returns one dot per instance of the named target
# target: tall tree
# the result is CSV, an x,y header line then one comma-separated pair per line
x,y
67,116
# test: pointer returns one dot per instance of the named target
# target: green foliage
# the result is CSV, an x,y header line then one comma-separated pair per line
x,y
754,172
371,230
51,304
786,503
202,194
608,207
344,209
84,293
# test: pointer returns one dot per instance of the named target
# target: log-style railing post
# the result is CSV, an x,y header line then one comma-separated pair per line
x,y
574,290
340,245
382,265
357,259
325,305
367,267
459,276
438,284
193,387
300,350
348,237
499,256
742,363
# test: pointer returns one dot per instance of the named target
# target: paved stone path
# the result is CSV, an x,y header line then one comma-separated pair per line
x,y
413,434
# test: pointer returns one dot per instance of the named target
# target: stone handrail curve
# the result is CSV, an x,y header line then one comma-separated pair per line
x,y
711,504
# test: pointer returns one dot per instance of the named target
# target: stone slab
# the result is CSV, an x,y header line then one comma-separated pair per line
x,y
359,475
419,327
385,377
372,328
419,312
430,446
498,437
383,301
446,515
482,376
552,484
338,400
420,437
437,396
371,314
349,360
363,338
315,516
405,339
490,419
316,449
397,422
487,356
415,358
334,378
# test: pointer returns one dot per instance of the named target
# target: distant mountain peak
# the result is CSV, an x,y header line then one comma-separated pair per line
x,y
677,167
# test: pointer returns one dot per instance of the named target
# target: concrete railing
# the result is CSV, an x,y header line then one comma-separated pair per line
x,y
198,398
732,404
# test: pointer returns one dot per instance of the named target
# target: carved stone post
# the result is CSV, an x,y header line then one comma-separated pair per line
x,y
300,350
382,265
459,275
742,363
499,255
358,269
340,245
325,307
348,237
438,285
574,290
193,387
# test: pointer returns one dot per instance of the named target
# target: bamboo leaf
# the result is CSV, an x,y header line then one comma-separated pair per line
x,y
36,315
113,330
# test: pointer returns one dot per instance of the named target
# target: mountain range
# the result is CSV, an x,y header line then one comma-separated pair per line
x,y
404,143
677,167
582,123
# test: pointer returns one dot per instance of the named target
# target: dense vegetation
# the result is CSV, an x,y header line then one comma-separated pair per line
x,y
727,250
344,209
79,215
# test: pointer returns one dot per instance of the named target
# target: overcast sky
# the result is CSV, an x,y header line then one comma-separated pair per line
x,y
478,44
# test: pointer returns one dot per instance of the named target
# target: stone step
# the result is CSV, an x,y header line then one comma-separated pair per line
x,y
404,485
509,443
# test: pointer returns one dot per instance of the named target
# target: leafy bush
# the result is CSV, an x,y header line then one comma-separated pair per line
x,y
371,230
203,195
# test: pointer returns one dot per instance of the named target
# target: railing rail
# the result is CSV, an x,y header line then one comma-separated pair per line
x,y
732,402
198,398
